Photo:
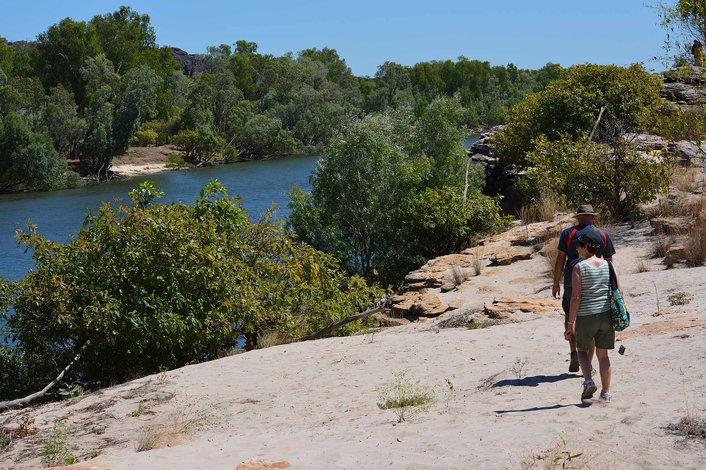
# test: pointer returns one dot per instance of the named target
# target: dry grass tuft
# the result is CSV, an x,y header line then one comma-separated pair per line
x,y
542,210
477,261
551,253
185,419
458,276
662,245
642,266
556,457
695,246
687,179
270,338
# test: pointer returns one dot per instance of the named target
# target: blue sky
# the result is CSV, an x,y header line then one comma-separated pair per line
x,y
367,33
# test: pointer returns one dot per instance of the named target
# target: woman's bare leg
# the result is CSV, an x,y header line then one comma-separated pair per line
x,y
604,365
585,363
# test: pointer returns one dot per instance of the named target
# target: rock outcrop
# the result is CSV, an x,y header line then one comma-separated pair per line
x,y
191,64
422,293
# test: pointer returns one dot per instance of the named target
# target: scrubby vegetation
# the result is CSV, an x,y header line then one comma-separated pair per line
x,y
152,286
388,193
573,139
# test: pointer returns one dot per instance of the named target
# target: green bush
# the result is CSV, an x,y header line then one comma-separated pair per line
x,y
615,179
570,106
154,287
144,137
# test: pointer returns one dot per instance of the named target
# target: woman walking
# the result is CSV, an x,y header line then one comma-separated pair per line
x,y
589,314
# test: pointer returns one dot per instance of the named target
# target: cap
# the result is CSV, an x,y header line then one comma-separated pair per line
x,y
585,209
591,238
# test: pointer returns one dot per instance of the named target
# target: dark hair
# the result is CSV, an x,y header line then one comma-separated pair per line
x,y
591,249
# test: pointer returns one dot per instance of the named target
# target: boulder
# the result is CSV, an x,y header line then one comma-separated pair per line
x,y
690,153
647,142
683,93
422,303
388,321
671,225
506,306
511,255
676,252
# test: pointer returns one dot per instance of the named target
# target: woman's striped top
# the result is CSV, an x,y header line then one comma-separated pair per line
x,y
595,289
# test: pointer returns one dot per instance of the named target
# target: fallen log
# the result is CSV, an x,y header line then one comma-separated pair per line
x,y
4,405
358,316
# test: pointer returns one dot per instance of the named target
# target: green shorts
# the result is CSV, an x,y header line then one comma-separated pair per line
x,y
598,327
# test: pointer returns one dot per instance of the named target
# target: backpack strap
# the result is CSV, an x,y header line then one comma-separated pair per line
x,y
568,240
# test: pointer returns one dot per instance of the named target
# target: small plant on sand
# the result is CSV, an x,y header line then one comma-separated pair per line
x,y
449,393
9,432
405,397
518,367
57,449
690,426
558,457
679,298
184,419
138,411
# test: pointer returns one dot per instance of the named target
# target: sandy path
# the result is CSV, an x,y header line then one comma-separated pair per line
x,y
314,404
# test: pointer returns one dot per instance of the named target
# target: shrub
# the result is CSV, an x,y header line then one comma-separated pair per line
x,y
176,161
616,179
143,138
569,108
162,286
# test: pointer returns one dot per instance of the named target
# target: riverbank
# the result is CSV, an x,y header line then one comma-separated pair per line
x,y
503,396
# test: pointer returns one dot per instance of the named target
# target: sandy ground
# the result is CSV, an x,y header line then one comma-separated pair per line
x,y
142,161
314,404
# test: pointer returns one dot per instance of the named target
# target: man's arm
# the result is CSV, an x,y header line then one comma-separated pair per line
x,y
558,268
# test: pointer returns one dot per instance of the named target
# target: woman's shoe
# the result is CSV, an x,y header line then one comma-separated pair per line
x,y
605,397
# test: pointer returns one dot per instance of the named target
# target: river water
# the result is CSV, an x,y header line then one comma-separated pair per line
x,y
59,214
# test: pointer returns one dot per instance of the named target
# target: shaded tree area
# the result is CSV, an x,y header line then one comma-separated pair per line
x,y
92,88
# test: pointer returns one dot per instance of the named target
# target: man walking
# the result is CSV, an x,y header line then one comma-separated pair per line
x,y
568,257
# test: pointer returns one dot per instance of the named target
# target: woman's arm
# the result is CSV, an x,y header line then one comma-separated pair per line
x,y
617,278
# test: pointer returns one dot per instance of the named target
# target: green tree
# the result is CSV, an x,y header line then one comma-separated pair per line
x,y
684,21
27,159
123,36
571,105
136,103
383,203
62,51
62,122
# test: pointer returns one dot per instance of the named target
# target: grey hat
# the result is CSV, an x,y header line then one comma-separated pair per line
x,y
585,209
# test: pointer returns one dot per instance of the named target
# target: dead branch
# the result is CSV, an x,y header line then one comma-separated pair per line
x,y
4,405
358,316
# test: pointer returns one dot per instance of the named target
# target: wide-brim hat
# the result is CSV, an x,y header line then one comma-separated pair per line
x,y
585,209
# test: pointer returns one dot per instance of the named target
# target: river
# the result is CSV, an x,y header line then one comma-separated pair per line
x,y
59,214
